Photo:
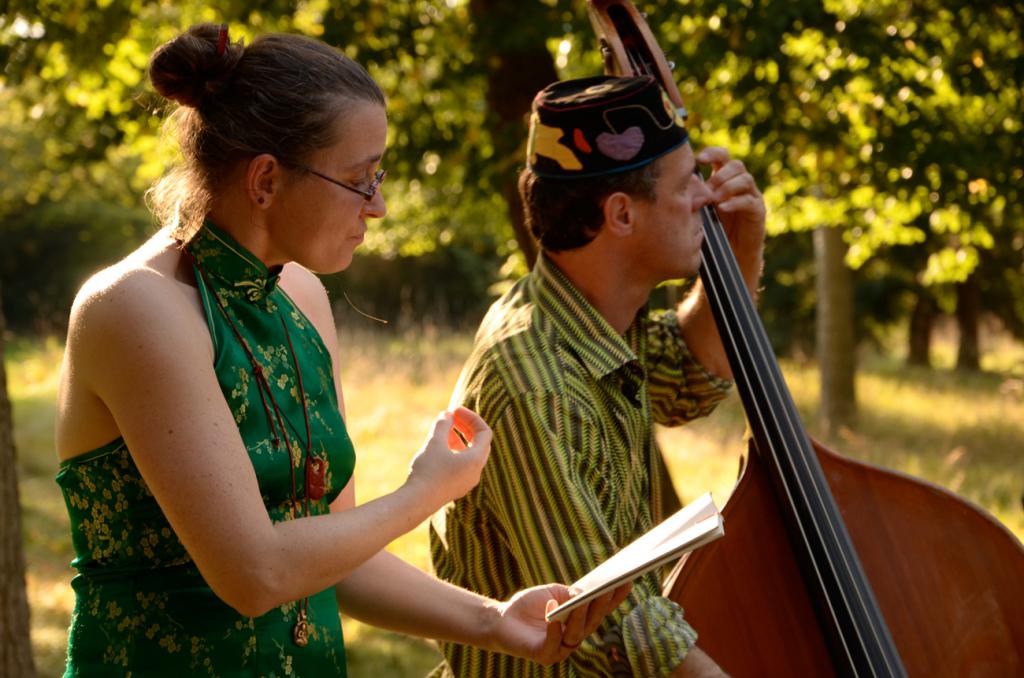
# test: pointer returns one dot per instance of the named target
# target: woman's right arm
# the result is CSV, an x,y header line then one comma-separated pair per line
x,y
140,351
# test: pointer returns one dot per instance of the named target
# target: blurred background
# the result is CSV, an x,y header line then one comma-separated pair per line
x,y
885,135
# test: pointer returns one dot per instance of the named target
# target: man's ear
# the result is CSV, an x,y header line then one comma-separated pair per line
x,y
619,214
263,180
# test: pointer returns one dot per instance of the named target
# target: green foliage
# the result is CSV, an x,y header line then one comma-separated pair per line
x,y
898,122
81,123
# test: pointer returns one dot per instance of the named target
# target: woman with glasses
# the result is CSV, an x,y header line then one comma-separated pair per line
x,y
205,464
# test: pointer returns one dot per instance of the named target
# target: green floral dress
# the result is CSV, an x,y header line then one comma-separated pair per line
x,y
142,608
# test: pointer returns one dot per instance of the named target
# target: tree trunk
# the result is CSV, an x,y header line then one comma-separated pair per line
x,y
922,318
522,66
835,336
968,303
15,642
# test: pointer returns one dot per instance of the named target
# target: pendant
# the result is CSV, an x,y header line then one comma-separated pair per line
x,y
316,474
300,634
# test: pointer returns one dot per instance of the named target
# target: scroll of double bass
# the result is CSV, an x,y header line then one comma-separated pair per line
x,y
829,566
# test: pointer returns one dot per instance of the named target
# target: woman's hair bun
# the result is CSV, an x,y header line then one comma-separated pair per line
x,y
195,64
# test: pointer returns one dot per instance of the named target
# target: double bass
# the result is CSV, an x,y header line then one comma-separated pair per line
x,y
829,566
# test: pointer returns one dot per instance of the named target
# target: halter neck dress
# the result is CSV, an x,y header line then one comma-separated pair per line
x,y
141,606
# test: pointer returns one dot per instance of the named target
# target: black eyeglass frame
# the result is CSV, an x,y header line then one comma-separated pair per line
x,y
367,194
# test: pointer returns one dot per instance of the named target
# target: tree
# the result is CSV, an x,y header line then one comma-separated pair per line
x,y
895,122
906,115
968,295
15,645
834,331
919,341
520,66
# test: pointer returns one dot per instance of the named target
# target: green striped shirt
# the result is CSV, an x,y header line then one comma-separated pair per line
x,y
569,481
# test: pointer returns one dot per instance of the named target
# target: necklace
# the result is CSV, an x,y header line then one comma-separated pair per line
x,y
314,467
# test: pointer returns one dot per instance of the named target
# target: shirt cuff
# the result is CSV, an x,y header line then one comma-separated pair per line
x,y
681,388
656,638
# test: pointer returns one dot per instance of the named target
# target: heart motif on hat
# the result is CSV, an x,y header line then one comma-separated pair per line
x,y
622,146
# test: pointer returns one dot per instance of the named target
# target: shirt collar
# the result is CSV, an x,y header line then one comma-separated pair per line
x,y
222,257
581,326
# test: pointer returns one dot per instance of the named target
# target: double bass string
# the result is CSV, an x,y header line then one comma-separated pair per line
x,y
717,278
721,275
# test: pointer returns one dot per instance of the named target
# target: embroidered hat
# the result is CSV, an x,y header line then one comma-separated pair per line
x,y
601,125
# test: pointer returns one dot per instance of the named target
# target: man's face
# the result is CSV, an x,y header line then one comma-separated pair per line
x,y
669,229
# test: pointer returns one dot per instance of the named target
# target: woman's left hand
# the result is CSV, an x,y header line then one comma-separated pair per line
x,y
522,630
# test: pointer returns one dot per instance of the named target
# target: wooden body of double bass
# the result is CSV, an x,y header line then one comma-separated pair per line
x,y
948,578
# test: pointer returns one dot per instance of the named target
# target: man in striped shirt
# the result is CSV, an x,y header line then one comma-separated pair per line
x,y
571,370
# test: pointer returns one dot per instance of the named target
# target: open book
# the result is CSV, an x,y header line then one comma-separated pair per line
x,y
690,527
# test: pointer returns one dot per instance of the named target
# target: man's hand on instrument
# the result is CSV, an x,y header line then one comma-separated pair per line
x,y
737,199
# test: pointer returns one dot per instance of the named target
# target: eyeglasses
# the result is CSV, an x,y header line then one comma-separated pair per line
x,y
367,193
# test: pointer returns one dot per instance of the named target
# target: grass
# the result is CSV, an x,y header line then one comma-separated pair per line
x,y
963,431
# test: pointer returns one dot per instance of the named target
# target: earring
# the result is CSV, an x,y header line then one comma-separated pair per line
x,y
259,200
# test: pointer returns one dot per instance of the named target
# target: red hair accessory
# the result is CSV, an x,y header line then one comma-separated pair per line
x,y
222,39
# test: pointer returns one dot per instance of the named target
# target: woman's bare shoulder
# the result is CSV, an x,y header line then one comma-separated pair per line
x,y
308,293
132,325
150,290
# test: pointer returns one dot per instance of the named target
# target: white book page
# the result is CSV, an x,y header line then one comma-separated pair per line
x,y
643,546
691,527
